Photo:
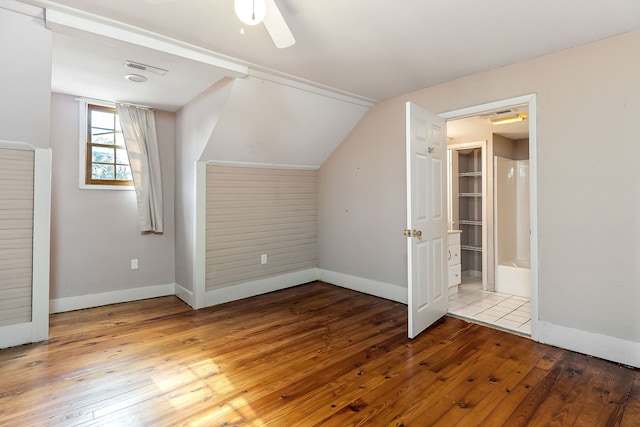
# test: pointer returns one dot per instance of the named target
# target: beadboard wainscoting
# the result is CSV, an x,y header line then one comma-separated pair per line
x,y
260,223
16,235
25,198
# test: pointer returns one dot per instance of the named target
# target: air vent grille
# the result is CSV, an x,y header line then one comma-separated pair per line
x,y
148,68
496,113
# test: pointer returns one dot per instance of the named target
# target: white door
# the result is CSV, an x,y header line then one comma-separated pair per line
x,y
426,218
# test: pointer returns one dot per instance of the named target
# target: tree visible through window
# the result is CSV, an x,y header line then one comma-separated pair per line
x,y
107,159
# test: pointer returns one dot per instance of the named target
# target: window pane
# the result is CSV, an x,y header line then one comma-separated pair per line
x,y
102,172
118,128
98,137
121,157
119,139
123,173
102,155
102,119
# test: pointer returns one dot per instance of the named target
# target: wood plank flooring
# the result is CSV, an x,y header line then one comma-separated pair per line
x,y
307,356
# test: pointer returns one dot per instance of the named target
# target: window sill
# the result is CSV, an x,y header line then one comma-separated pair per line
x,y
107,187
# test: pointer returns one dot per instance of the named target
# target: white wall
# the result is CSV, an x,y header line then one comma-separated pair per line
x,y
95,232
512,209
588,197
362,200
25,79
265,122
195,123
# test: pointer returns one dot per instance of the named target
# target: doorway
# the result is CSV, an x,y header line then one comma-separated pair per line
x,y
493,213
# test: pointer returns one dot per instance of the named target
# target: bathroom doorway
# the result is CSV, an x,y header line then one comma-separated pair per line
x,y
489,205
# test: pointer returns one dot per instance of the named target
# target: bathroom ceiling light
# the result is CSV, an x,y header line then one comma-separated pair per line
x,y
136,78
508,119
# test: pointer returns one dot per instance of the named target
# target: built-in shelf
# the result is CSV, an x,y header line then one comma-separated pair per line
x,y
468,179
468,222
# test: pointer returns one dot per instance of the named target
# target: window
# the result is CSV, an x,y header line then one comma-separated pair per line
x,y
107,162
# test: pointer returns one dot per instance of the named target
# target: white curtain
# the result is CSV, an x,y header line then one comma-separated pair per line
x,y
139,130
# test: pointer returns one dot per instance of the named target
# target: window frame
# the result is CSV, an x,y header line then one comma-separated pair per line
x,y
85,152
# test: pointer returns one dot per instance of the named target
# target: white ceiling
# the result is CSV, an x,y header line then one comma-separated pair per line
x,y
93,67
373,48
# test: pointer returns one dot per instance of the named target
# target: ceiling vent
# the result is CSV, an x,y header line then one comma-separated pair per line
x,y
147,68
497,113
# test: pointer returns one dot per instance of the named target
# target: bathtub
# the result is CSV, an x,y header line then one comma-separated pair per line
x,y
514,277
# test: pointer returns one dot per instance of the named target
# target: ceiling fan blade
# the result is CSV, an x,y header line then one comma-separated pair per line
x,y
277,27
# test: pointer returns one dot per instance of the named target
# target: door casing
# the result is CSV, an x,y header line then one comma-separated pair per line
x,y
530,100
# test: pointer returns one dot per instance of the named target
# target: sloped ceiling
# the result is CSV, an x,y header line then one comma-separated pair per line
x,y
270,123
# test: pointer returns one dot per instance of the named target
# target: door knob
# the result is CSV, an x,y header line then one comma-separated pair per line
x,y
412,233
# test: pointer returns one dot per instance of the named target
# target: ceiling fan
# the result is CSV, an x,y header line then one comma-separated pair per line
x,y
253,12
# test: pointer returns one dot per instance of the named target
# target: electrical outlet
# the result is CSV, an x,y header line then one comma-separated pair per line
x,y
263,259
134,264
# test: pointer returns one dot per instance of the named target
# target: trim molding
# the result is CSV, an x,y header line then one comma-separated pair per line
x,y
598,345
41,243
185,295
299,83
366,286
261,286
200,236
61,18
17,334
260,165
25,9
96,300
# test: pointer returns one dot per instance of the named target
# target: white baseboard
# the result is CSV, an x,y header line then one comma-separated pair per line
x,y
602,346
95,300
18,334
261,286
185,295
367,286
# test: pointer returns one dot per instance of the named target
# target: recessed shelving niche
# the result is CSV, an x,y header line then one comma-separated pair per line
x,y
470,195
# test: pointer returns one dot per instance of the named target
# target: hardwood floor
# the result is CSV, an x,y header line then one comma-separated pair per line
x,y
311,355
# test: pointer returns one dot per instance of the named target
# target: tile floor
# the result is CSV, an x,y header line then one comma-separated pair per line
x,y
505,311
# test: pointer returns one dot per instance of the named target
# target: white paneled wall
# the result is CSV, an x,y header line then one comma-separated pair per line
x,y
16,235
255,211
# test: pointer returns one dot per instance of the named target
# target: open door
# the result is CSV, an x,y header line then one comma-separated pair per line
x,y
426,218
